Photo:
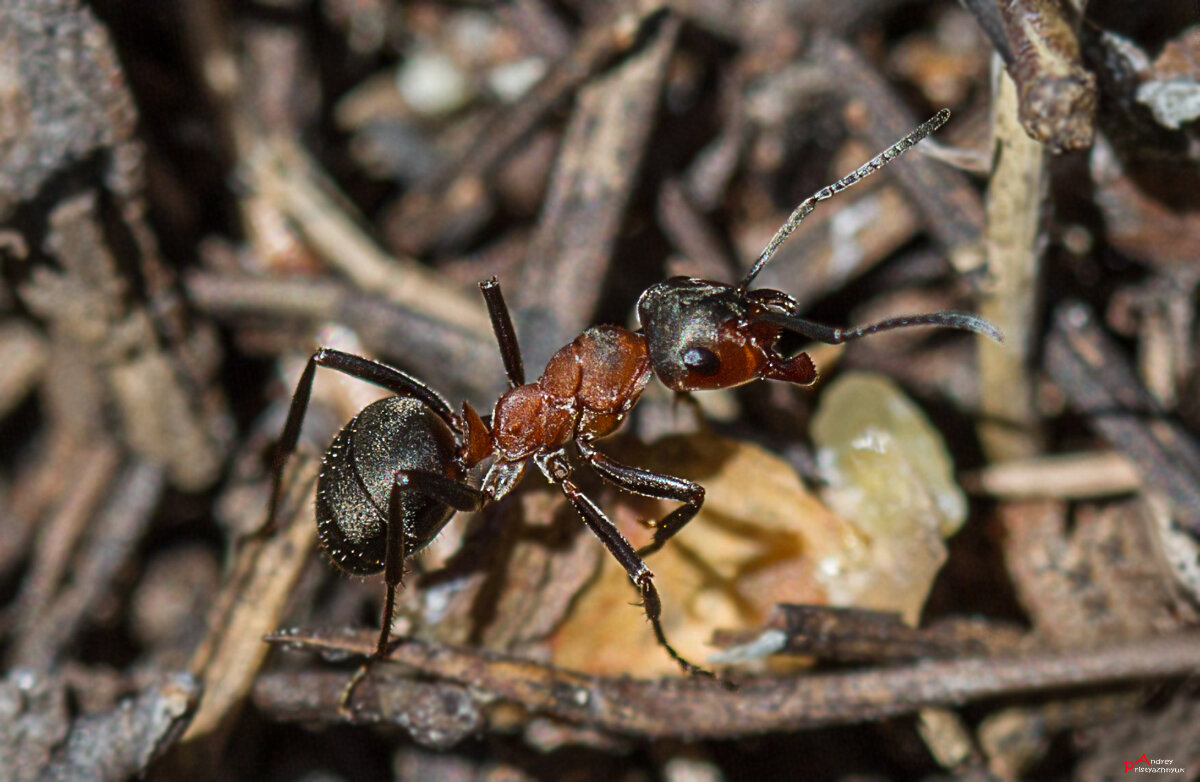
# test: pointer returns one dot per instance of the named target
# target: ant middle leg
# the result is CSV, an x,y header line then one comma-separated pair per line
x,y
647,483
456,494
642,578
355,366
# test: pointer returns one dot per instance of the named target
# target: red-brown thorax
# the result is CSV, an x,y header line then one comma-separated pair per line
x,y
584,393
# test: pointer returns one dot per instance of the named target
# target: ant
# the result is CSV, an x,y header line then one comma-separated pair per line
x,y
397,472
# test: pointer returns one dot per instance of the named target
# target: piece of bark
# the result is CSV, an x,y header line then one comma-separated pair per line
x,y
1097,584
40,738
1057,95
65,76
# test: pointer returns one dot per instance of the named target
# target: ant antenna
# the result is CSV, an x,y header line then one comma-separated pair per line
x,y
836,336
829,191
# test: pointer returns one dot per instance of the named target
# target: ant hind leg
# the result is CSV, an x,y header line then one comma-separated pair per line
x,y
457,495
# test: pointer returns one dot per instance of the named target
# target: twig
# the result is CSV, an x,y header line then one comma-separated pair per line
x,y
1103,387
841,244
592,183
1074,476
943,196
287,177
858,634
434,204
251,604
23,356
1014,210
691,234
38,484
454,359
55,546
112,538
694,709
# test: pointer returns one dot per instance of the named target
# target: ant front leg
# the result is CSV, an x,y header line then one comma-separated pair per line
x,y
420,483
365,369
650,484
641,576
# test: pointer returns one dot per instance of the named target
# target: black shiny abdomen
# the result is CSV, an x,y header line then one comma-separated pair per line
x,y
396,433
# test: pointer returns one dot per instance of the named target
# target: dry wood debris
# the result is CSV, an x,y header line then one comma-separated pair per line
x,y
194,196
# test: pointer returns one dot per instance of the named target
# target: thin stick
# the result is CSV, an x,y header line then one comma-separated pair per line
x,y
701,709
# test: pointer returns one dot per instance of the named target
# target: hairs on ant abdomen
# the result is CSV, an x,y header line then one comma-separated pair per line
x,y
398,471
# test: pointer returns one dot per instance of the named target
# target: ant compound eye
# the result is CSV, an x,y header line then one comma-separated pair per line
x,y
702,361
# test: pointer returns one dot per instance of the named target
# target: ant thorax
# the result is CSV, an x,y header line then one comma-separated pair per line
x,y
584,393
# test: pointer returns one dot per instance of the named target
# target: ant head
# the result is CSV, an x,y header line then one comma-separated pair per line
x,y
704,335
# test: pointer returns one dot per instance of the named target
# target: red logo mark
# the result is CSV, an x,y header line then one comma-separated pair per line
x,y
1131,763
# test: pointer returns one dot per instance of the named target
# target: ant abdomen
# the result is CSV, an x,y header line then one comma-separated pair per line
x,y
357,473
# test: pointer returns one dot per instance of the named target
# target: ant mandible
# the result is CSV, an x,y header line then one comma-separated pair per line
x,y
397,472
